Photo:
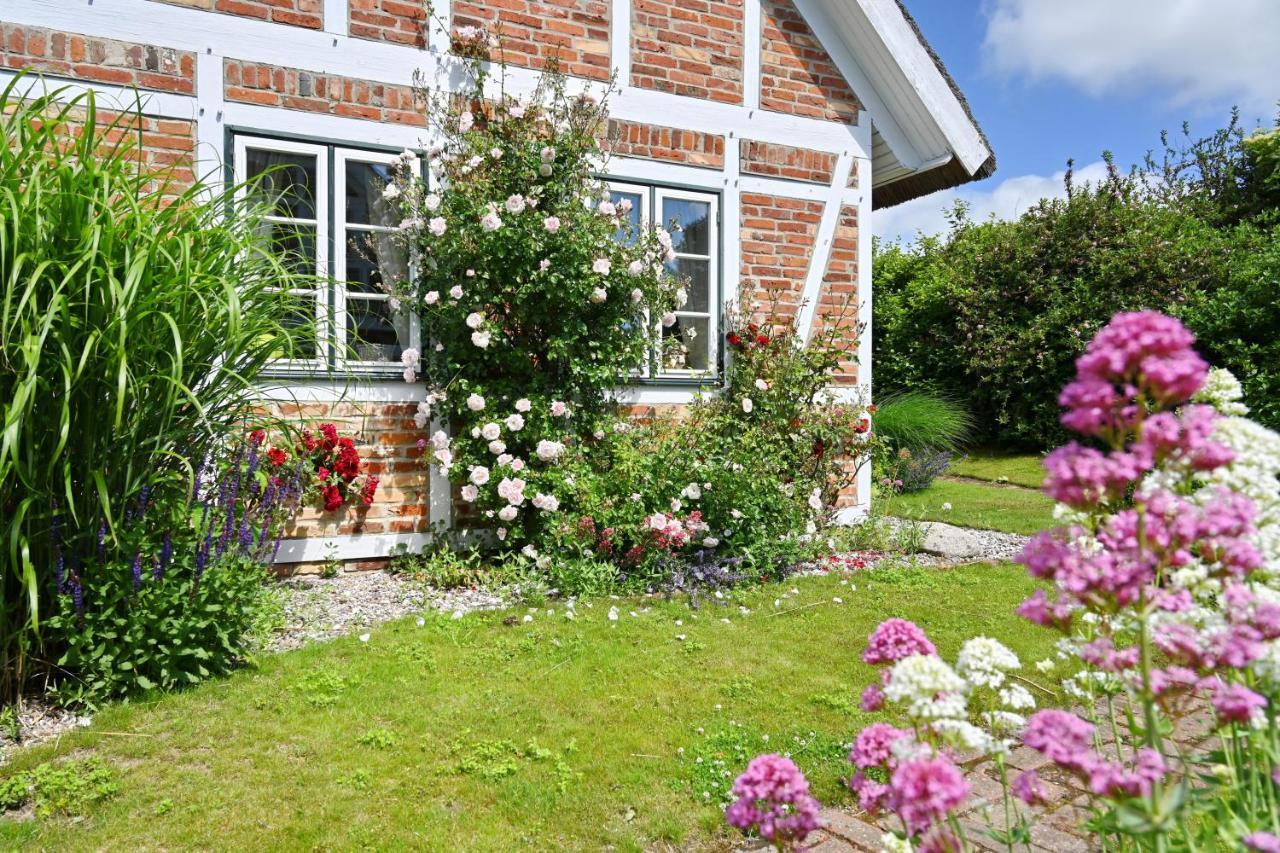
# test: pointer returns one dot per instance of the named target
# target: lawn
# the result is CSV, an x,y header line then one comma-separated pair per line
x,y
1010,509
1026,469
491,733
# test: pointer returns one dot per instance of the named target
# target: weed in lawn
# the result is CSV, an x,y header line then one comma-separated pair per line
x,y
360,779
378,739
493,760
841,703
61,787
322,688
740,688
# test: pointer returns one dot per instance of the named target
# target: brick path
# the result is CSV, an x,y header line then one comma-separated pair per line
x,y
1057,825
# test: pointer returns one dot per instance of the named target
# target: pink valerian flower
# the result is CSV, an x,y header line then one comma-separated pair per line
x,y
773,799
925,791
872,698
895,639
1082,476
1102,654
1261,842
1028,788
1186,436
1112,779
1043,611
1060,736
873,796
1235,703
874,745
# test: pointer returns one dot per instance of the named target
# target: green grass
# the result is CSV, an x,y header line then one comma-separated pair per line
x,y
1019,469
555,734
989,507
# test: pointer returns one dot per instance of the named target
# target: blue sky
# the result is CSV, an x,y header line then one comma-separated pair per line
x,y
1055,79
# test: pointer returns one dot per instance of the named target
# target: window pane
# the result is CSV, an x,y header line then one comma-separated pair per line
x,y
696,275
375,261
300,342
633,214
689,223
374,332
286,180
295,244
685,344
364,203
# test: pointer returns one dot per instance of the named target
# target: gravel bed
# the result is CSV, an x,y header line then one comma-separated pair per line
x,y
321,608
39,721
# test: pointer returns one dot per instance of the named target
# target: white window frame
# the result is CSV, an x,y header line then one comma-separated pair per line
x,y
339,338
243,144
644,192
714,310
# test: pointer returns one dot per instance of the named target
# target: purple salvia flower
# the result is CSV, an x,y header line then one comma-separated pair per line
x,y
137,570
102,540
166,551
202,554
157,571
246,535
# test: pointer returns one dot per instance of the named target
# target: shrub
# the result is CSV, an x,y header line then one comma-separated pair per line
x,y
134,317
995,312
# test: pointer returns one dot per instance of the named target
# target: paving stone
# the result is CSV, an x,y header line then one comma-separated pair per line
x,y
856,831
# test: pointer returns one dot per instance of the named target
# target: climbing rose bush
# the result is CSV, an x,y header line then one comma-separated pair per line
x,y
539,296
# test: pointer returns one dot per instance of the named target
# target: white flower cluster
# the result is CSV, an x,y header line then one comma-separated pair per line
x,y
928,687
984,662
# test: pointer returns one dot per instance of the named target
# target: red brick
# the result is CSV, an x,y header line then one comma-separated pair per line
x,y
797,75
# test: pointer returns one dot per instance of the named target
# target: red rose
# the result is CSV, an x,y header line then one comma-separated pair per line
x,y
257,437
752,328
366,494
871,409
277,457
762,340
734,340
332,498
322,473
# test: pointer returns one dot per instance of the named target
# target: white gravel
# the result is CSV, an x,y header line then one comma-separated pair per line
x,y
321,608
39,721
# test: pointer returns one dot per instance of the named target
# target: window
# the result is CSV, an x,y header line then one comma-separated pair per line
x,y
691,347
329,218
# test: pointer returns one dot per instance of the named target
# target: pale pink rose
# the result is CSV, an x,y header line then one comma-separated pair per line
x,y
601,266
551,223
437,225
470,493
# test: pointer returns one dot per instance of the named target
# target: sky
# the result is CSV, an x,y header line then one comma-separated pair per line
x,y
1050,80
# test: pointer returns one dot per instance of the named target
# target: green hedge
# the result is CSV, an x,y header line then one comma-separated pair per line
x,y
996,312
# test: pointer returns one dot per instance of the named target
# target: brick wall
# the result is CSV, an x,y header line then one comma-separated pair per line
x,y
387,440
653,142
784,161
573,32
778,236
838,302
298,13
395,21
797,75
292,88
688,47
99,60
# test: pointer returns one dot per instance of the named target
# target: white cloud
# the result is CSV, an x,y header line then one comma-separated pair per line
x,y
1004,200
1204,53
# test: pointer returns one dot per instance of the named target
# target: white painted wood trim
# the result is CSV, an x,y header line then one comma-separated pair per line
x,y
324,52
752,44
918,66
356,546
620,40
865,296
877,111
159,104
288,390
337,14
834,201
731,225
